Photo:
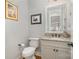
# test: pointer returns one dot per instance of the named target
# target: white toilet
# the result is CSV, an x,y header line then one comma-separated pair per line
x,y
28,52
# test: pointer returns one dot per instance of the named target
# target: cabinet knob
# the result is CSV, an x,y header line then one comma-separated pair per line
x,y
54,50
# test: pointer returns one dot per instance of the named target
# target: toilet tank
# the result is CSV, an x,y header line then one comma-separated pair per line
x,y
34,42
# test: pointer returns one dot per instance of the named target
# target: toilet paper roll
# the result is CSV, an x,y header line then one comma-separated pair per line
x,y
21,44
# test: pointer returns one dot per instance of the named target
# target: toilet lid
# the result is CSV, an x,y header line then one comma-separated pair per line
x,y
28,51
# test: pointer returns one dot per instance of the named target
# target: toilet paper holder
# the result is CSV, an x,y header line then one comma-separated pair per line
x,y
21,45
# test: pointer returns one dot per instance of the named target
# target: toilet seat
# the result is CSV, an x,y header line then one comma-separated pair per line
x,y
28,51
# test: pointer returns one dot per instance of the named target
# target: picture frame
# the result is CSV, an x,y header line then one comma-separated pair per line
x,y
11,11
36,19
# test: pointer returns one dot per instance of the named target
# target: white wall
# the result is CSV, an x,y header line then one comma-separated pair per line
x,y
16,31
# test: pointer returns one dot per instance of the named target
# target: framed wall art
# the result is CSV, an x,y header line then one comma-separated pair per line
x,y
11,11
36,19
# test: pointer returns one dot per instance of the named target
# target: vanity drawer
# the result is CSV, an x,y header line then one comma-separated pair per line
x,y
55,43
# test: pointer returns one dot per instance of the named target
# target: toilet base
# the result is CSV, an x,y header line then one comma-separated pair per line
x,y
31,57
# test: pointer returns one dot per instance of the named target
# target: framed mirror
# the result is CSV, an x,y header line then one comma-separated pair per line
x,y
55,16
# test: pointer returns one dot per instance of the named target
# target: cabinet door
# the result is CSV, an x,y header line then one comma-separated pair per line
x,y
63,53
47,52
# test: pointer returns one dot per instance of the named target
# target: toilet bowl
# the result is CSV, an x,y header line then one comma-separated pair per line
x,y
28,52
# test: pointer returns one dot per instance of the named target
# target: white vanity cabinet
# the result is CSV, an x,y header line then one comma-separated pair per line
x,y
51,49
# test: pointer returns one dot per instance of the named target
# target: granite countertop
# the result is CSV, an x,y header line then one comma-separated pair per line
x,y
56,39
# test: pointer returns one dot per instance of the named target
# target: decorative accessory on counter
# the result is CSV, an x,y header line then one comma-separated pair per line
x,y
66,35
36,19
